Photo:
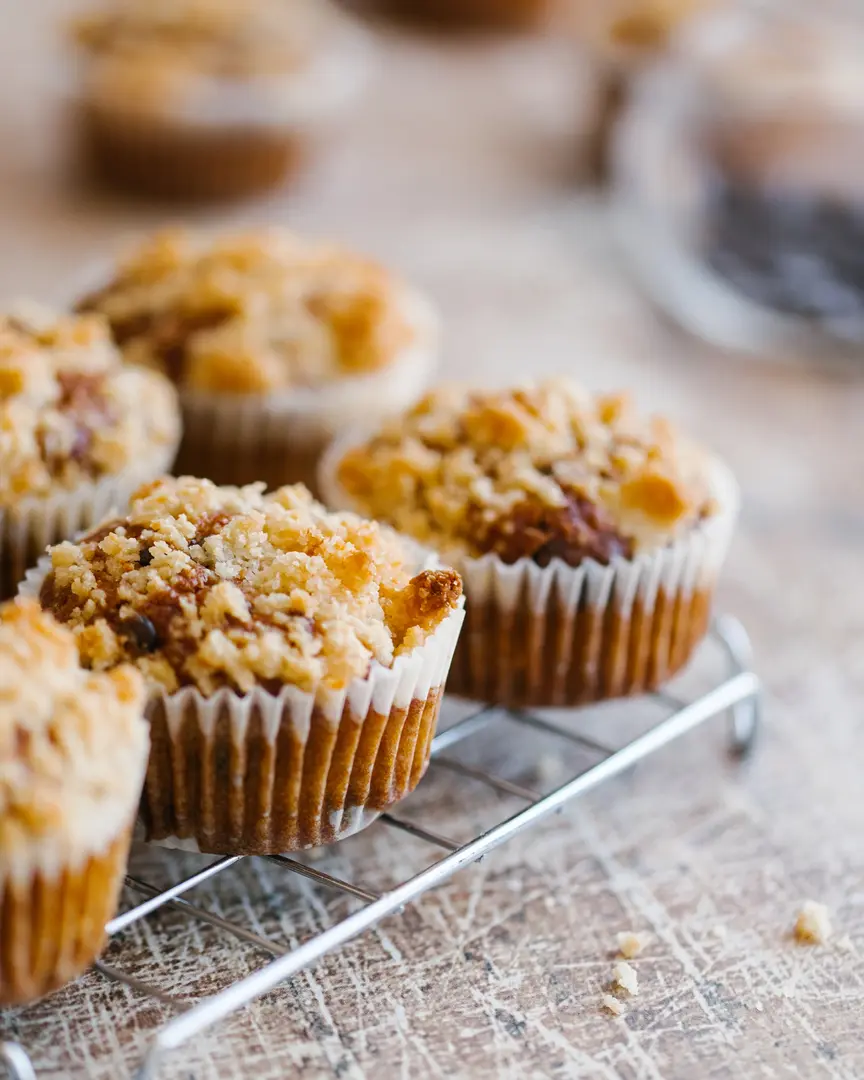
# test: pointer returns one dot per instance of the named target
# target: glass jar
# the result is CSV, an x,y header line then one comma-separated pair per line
x,y
738,187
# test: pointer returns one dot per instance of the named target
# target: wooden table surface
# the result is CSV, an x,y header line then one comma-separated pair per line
x,y
458,170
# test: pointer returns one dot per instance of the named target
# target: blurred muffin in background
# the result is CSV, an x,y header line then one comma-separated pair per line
x,y
79,431
466,14
274,342
621,37
209,99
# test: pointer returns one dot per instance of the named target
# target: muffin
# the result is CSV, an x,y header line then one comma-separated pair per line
x,y
589,538
295,658
73,749
275,344
622,38
79,431
209,99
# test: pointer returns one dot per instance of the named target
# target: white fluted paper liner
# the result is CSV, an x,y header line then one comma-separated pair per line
x,y
520,602
27,529
313,718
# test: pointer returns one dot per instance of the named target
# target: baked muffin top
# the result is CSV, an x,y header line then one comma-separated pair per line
x,y
545,471
251,313
158,50
70,410
210,587
73,743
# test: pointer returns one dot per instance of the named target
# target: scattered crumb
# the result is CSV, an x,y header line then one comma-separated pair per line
x,y
813,925
624,975
548,770
614,1006
758,1006
720,931
631,944
844,944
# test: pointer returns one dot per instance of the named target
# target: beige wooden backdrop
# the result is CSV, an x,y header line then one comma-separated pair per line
x,y
458,170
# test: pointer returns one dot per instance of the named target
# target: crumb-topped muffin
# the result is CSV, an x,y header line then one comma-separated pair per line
x,y
543,472
73,749
209,98
275,342
78,430
227,600
560,487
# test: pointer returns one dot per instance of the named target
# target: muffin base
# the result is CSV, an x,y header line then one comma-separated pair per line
x,y
216,789
467,14
565,657
274,460
188,164
53,928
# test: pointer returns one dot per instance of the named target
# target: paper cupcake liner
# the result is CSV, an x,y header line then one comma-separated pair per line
x,y
52,924
564,636
27,529
263,773
279,438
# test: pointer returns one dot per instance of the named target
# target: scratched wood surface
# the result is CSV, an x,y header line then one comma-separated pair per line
x,y
459,171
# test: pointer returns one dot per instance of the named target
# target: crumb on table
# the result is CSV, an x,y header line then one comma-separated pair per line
x,y
813,925
631,944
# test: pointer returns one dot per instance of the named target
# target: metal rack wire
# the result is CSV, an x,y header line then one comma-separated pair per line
x,y
737,694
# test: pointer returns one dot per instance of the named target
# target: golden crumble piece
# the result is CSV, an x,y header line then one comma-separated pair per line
x,y
624,976
631,945
73,744
547,471
613,1005
70,410
209,587
254,313
813,925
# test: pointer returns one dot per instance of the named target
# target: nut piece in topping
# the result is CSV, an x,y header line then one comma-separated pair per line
x,y
813,925
631,944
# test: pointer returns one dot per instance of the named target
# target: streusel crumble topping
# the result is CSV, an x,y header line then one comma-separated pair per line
x,y
252,313
159,50
70,410
73,743
208,586
546,471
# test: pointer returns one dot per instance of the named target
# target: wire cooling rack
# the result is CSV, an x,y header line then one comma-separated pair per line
x,y
737,695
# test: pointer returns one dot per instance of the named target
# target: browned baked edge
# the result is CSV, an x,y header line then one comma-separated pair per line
x,y
52,929
187,164
561,657
207,450
256,797
476,14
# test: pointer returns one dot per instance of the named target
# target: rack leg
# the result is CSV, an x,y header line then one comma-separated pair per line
x,y
746,715
17,1064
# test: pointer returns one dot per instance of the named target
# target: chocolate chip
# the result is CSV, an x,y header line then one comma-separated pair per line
x,y
141,631
146,556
